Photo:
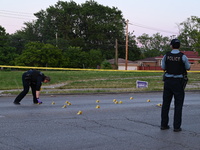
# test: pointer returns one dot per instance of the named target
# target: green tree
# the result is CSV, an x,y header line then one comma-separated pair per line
x,y
76,57
100,26
95,58
89,26
7,53
18,40
155,45
190,34
40,55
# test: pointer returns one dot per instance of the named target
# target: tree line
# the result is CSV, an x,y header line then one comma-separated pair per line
x,y
83,36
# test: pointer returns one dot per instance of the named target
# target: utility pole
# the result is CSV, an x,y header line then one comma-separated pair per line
x,y
126,63
116,54
56,39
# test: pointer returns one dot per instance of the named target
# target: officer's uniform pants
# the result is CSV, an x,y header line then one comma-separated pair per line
x,y
26,86
172,87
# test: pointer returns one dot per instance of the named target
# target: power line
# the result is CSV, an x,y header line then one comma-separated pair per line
x,y
152,28
16,12
28,16
17,15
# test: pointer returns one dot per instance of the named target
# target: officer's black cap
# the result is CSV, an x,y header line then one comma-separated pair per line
x,y
174,41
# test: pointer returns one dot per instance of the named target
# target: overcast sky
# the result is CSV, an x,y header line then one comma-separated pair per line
x,y
145,16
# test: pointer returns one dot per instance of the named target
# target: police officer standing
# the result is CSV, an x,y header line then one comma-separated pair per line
x,y
33,79
175,64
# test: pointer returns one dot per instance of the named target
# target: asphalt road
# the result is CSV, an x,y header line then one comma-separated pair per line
x,y
132,125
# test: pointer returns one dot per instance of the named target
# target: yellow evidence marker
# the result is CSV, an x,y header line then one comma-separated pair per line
x,y
97,106
64,106
53,103
131,98
79,112
97,101
114,100
148,100
120,102
159,105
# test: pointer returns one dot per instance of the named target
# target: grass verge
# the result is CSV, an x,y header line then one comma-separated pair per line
x,y
93,81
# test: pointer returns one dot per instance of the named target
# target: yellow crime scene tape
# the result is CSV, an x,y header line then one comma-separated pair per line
x,y
80,69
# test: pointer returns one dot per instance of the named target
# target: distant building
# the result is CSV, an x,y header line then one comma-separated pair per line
x,y
154,63
122,62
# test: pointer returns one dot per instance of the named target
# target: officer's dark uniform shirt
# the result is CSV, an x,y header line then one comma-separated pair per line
x,y
35,77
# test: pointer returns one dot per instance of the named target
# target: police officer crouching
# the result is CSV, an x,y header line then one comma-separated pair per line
x,y
33,79
175,64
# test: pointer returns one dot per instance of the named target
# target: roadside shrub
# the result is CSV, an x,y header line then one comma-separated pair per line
x,y
106,65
